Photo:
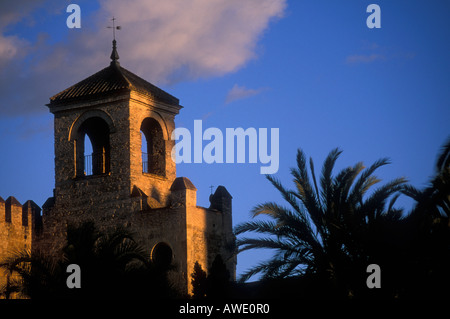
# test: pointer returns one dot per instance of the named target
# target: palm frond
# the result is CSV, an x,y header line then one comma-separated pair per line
x,y
287,194
325,179
375,204
262,227
443,160
264,243
306,194
344,180
276,267
313,174
366,180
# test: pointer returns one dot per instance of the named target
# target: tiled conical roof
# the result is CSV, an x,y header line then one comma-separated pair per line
x,y
114,78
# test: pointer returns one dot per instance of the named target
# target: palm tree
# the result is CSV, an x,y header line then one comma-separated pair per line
x,y
107,260
31,276
112,265
428,227
330,232
434,199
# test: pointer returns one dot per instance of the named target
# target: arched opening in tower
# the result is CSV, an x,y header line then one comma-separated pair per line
x,y
152,147
93,149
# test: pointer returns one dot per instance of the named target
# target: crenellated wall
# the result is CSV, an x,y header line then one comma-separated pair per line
x,y
19,226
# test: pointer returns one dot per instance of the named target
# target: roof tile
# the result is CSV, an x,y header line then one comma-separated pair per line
x,y
110,79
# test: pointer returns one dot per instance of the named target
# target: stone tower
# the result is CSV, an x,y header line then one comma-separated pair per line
x,y
126,175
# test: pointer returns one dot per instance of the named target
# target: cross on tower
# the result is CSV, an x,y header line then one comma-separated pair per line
x,y
211,188
114,27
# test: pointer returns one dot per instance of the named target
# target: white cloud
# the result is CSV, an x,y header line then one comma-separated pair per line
x,y
11,47
162,41
178,39
241,92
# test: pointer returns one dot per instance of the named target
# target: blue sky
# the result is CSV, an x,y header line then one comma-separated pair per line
x,y
313,69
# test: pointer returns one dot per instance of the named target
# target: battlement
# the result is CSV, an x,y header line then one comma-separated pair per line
x,y
19,225
14,214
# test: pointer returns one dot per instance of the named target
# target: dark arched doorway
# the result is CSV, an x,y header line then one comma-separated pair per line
x,y
162,255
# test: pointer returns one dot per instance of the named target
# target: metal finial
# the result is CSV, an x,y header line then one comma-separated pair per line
x,y
114,54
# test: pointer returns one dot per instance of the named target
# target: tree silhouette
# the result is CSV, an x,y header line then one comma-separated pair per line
x,y
428,230
215,285
112,266
198,282
218,281
329,232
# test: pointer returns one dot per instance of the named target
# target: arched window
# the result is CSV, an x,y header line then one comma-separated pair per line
x,y
153,147
92,147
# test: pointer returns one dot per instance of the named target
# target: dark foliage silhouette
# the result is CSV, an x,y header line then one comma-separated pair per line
x,y
218,281
198,282
336,226
113,266
429,232
215,285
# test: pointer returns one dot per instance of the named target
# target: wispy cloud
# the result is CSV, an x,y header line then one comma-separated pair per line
x,y
241,92
372,52
364,58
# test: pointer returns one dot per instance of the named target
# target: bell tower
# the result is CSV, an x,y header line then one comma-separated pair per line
x,y
113,167
112,134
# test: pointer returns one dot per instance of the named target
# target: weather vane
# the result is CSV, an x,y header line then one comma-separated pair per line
x,y
114,27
